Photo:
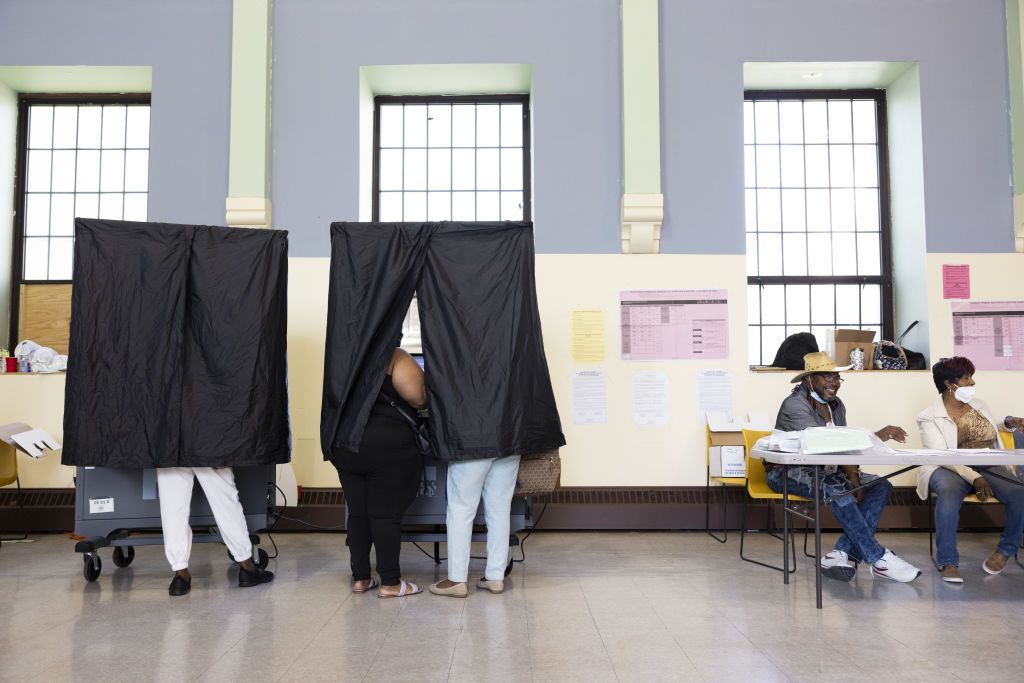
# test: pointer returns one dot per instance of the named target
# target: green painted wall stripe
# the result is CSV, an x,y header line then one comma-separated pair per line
x,y
249,158
641,121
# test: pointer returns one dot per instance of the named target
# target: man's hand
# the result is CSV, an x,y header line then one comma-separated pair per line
x,y
893,433
982,489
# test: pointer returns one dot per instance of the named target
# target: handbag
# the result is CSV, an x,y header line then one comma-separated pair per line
x,y
420,427
892,356
539,473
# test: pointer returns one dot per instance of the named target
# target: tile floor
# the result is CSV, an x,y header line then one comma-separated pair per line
x,y
584,607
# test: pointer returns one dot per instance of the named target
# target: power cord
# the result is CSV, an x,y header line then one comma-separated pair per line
x,y
522,541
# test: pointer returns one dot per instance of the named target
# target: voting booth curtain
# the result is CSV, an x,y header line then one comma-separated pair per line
x,y
488,387
177,349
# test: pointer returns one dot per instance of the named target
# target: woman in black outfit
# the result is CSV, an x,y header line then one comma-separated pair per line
x,y
381,479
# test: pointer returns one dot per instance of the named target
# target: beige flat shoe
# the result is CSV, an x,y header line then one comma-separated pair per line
x,y
493,586
456,590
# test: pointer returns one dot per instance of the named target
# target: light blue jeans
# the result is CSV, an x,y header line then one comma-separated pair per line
x,y
493,480
949,489
859,520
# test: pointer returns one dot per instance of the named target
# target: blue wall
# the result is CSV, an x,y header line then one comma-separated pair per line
x,y
188,45
961,47
573,45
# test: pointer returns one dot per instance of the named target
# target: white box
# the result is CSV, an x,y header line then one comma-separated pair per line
x,y
733,461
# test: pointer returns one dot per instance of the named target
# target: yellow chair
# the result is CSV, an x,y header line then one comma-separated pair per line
x,y
1007,440
9,475
758,489
725,482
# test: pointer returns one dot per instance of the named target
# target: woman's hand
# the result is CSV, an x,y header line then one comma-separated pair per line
x,y
891,432
982,489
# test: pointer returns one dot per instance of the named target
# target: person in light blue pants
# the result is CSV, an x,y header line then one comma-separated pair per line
x,y
494,481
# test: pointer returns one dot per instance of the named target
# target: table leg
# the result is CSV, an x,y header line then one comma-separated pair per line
x,y
785,524
817,533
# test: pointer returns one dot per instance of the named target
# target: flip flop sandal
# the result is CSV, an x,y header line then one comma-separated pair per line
x,y
404,591
373,584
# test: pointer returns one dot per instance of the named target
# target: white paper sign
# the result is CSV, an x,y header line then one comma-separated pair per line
x,y
36,442
589,397
734,461
650,398
714,392
98,505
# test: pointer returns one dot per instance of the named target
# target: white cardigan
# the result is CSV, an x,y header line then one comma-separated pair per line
x,y
938,432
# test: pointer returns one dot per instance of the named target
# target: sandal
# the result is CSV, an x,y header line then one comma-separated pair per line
x,y
373,584
404,591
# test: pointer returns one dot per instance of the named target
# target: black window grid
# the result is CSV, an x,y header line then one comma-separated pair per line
x,y
394,100
25,104
883,279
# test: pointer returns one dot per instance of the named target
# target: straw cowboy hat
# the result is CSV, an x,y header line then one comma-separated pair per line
x,y
819,362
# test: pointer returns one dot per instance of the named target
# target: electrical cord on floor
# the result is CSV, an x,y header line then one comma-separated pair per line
x,y
522,541
281,515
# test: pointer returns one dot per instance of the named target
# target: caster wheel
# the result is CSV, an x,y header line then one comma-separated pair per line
x,y
91,567
123,555
262,558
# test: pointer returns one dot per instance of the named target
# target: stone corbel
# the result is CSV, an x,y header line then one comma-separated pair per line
x,y
1018,222
641,223
248,212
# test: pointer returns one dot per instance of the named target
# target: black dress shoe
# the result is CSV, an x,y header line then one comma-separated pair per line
x,y
255,577
179,585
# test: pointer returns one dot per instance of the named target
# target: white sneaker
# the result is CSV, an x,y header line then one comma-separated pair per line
x,y
892,567
837,565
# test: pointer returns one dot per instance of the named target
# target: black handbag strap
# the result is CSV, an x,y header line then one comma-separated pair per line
x,y
899,339
405,416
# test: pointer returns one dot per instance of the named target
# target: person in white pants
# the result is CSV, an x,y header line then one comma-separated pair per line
x,y
494,480
175,492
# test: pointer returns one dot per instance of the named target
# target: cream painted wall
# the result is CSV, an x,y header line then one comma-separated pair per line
x,y
619,453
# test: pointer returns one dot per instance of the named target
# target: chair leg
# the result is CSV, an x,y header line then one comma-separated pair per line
x,y
707,511
743,533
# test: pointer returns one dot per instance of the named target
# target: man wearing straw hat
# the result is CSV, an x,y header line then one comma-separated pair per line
x,y
814,403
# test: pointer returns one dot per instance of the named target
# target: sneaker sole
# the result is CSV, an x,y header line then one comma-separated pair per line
x,y
840,573
883,575
956,581
984,565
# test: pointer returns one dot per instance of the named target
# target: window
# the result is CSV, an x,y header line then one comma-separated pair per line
x,y
84,156
819,253
458,158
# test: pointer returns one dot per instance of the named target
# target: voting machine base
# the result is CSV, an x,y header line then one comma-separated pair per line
x,y
119,508
424,521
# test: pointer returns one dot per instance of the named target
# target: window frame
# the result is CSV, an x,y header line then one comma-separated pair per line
x,y
885,277
25,101
521,98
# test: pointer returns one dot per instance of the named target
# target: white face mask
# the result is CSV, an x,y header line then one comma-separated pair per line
x,y
964,394
819,399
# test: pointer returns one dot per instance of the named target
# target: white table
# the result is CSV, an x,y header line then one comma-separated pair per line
x,y
908,459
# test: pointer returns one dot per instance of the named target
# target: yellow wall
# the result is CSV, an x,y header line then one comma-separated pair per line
x,y
619,453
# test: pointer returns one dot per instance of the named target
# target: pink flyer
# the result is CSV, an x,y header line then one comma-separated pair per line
x,y
956,282
675,324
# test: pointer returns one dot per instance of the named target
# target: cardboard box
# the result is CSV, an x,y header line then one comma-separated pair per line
x,y
844,341
726,452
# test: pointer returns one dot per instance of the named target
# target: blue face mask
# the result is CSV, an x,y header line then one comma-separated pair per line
x,y
819,399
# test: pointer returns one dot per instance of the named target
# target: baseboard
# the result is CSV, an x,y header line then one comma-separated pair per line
x,y
574,508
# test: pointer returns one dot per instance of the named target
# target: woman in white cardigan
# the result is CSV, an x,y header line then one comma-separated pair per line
x,y
958,420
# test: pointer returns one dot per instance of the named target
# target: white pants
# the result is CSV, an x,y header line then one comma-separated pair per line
x,y
175,491
495,480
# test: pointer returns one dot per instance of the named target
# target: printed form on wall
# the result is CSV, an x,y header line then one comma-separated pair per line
x,y
990,333
675,324
589,397
650,398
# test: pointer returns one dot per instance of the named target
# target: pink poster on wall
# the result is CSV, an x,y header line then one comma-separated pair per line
x,y
675,324
956,281
990,333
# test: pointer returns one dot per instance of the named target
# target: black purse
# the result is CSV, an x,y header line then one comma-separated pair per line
x,y
419,425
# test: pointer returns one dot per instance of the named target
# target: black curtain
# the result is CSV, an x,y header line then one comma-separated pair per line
x,y
488,387
177,354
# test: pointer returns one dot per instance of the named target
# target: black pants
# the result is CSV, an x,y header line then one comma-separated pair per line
x,y
379,484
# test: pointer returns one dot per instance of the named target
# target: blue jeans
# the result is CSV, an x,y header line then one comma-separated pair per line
x,y
859,520
949,489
